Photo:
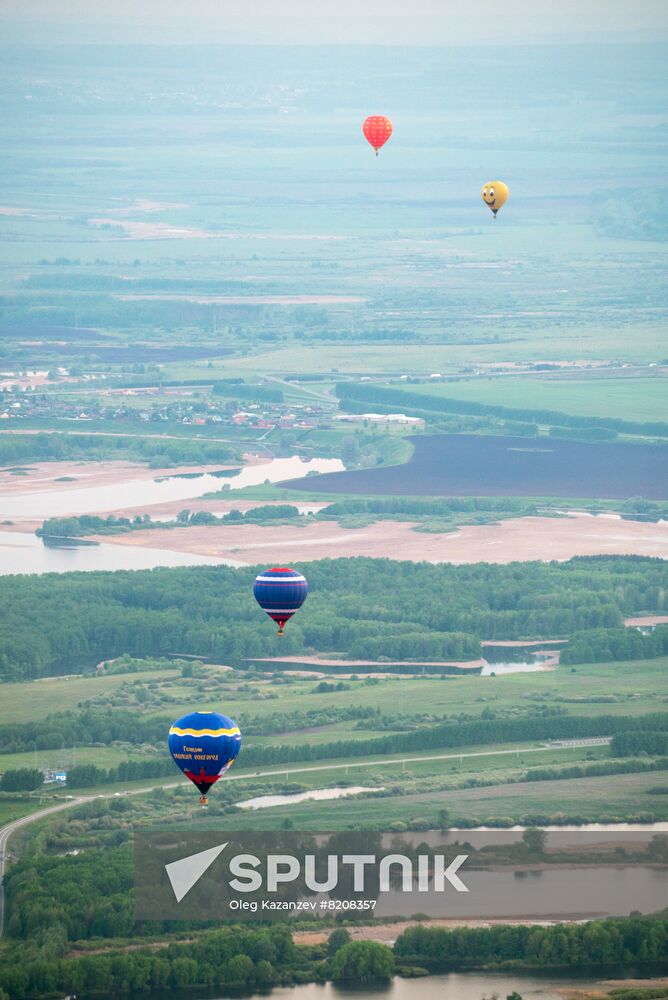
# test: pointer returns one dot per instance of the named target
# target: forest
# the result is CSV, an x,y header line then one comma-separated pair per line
x,y
157,452
92,524
578,945
601,645
394,610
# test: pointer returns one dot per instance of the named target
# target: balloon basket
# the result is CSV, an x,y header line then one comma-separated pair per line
x,y
203,801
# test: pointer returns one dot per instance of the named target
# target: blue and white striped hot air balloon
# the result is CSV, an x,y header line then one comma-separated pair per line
x,y
204,745
280,592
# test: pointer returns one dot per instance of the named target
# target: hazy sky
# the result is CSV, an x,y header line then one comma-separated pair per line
x,y
303,22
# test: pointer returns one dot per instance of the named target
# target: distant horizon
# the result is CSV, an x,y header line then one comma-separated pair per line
x,y
419,23
580,43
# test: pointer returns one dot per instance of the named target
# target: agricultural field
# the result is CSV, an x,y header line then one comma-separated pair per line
x,y
591,395
479,465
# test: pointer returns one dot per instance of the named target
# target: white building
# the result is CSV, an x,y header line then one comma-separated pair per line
x,y
381,418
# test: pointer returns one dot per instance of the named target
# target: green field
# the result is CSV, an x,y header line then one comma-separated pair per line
x,y
593,690
15,807
638,399
634,685
23,702
573,343
596,799
66,757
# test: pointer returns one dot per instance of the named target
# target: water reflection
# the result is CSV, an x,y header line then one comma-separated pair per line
x,y
456,986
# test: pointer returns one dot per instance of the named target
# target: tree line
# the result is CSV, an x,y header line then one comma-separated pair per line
x,y
638,941
625,744
451,735
61,447
91,776
100,724
22,779
126,727
78,526
603,645
418,507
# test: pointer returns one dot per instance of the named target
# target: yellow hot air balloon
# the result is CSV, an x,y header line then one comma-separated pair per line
x,y
495,195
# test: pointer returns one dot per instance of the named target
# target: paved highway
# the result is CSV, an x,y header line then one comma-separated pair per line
x,y
8,830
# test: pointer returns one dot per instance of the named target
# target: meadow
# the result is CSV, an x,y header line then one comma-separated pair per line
x,y
586,394
628,688
294,711
591,799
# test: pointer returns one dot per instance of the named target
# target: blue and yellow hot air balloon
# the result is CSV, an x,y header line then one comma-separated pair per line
x,y
204,745
280,592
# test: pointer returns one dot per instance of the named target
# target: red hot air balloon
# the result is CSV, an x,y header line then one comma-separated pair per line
x,y
377,130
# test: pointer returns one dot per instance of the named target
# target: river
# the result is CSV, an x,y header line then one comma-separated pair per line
x,y
127,493
23,552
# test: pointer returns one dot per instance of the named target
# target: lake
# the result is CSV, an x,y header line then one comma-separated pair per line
x,y
144,492
455,986
455,465
581,892
316,794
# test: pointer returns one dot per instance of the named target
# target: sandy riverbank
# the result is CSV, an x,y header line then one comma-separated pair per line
x,y
523,538
388,933
321,661
601,990
39,477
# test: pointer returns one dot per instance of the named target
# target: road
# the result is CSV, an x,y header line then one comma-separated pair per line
x,y
8,830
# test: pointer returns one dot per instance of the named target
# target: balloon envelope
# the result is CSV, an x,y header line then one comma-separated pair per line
x,y
204,745
280,592
495,195
377,130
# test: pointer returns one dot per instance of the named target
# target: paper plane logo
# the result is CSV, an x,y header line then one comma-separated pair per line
x,y
186,872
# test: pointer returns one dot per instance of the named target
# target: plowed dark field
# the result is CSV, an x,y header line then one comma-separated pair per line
x,y
471,465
